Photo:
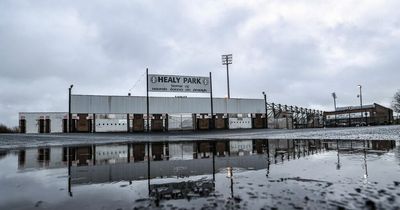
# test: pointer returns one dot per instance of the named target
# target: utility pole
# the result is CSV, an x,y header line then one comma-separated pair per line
x,y
226,60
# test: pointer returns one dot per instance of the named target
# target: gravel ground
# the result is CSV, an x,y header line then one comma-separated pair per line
x,y
363,133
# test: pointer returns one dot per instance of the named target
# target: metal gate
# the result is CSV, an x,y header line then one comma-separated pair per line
x,y
180,122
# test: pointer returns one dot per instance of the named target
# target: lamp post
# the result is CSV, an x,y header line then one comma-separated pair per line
x,y
69,109
266,109
360,96
226,60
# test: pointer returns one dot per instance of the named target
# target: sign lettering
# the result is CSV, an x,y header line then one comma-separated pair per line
x,y
176,83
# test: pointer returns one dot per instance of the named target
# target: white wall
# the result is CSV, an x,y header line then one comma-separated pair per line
x,y
239,123
241,147
32,123
32,154
111,153
56,123
56,155
111,125
32,120
180,151
180,122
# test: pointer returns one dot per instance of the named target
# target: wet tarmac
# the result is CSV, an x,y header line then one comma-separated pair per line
x,y
390,132
212,174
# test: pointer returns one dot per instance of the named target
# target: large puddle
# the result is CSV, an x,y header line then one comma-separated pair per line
x,y
245,174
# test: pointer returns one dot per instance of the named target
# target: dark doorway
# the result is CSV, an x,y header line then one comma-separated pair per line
x,y
65,125
41,126
21,158
47,127
22,126
157,150
43,154
139,152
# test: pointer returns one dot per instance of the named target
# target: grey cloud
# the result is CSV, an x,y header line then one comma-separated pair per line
x,y
104,47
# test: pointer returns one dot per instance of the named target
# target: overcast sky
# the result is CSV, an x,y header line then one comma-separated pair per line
x,y
299,52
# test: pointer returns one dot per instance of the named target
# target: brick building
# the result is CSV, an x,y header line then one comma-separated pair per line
x,y
373,114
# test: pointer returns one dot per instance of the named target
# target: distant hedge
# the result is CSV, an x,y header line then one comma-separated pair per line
x,y
5,129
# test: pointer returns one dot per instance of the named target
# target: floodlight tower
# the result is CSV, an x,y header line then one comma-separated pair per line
x,y
361,104
334,100
226,60
334,105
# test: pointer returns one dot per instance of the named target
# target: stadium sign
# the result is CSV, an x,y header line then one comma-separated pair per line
x,y
176,83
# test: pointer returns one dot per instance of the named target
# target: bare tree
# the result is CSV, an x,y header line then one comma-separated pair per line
x,y
396,102
5,129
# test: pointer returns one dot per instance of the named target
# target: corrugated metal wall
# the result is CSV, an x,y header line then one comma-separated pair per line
x,y
165,105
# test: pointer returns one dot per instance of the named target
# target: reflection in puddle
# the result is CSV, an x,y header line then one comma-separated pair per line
x,y
213,174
